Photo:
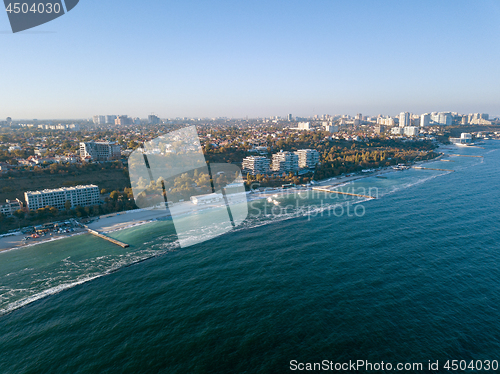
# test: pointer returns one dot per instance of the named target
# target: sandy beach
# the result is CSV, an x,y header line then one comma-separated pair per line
x,y
17,241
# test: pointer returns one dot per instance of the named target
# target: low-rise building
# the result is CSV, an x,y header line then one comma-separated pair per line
x,y
465,138
397,131
411,131
9,207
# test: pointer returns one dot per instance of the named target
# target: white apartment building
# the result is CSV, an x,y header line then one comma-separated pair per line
x,y
78,196
304,126
100,151
425,120
441,118
285,162
308,158
255,165
465,138
99,120
397,130
404,119
9,207
411,131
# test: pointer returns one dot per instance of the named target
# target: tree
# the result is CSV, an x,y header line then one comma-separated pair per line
x,y
19,213
114,195
132,145
67,205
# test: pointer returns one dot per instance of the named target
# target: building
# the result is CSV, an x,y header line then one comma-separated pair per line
x,y
479,119
207,199
465,138
153,120
404,119
10,207
290,118
285,162
304,126
123,120
331,128
99,120
411,130
425,120
100,151
255,165
308,158
397,130
77,196
442,118
379,129
110,119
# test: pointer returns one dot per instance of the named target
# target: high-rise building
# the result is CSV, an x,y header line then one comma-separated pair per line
x,y
100,151
110,119
153,120
290,118
255,165
77,196
479,119
285,162
425,120
379,129
99,120
442,118
404,119
308,158
123,120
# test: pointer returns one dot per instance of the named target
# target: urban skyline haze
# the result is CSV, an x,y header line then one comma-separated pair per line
x,y
258,59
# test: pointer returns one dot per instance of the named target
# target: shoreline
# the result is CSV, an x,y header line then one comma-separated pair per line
x,y
127,219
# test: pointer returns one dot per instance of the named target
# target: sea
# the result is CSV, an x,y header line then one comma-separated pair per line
x,y
309,280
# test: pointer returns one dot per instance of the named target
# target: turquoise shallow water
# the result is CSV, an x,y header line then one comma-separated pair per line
x,y
415,278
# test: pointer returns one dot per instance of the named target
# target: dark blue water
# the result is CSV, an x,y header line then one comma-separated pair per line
x,y
416,278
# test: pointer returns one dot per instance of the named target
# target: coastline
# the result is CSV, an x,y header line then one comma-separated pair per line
x,y
127,219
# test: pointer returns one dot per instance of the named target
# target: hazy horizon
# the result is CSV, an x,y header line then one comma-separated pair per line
x,y
259,59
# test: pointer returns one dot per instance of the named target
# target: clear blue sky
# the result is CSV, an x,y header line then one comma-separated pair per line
x,y
255,58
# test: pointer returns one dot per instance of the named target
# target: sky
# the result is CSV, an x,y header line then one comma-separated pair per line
x,y
254,58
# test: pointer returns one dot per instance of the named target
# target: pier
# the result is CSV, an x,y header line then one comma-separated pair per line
x,y
465,156
422,168
342,193
114,241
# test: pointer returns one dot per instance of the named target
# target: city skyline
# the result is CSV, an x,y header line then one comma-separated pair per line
x,y
256,60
